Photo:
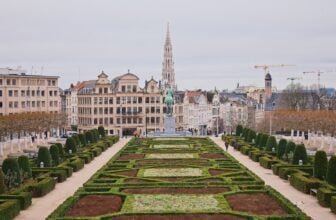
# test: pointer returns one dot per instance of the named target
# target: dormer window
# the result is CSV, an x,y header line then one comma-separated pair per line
x,y
152,89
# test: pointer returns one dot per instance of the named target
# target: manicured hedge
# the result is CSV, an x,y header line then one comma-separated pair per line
x,y
331,171
3,187
271,144
54,155
320,165
44,156
300,153
9,208
42,186
24,198
333,204
324,194
281,148
70,144
24,165
267,161
239,130
10,166
303,182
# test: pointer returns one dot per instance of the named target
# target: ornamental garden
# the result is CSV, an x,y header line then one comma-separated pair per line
x,y
177,178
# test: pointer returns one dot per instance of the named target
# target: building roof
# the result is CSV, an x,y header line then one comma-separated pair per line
x,y
268,76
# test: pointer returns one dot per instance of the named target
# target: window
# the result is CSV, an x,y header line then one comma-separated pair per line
x,y
22,93
50,93
50,104
111,110
55,103
33,104
105,90
134,100
111,120
16,93
33,92
43,103
23,104
140,100
100,90
10,93
42,93
0,104
0,82
14,82
38,93
105,100
129,88
0,93
123,89
147,99
134,88
10,104
55,93
111,100
118,100
8,82
53,82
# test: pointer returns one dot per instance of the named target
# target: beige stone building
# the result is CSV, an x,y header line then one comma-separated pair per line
x,y
20,92
120,105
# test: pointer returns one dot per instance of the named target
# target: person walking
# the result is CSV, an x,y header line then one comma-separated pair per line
x,y
226,145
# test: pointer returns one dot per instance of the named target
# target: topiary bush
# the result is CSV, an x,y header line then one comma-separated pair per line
x,y
271,143
44,156
331,171
239,130
11,169
82,139
320,165
24,165
95,135
75,137
89,137
281,148
70,144
290,147
3,187
54,155
251,135
300,153
60,151
258,139
101,131
263,140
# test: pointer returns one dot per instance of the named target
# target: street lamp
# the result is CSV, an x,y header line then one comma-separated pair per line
x,y
271,116
146,120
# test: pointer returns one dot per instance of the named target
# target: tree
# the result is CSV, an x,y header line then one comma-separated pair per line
x,y
24,165
263,140
239,130
271,143
82,139
11,169
54,154
331,171
258,139
60,150
300,153
101,131
95,134
290,147
70,144
89,137
44,156
281,148
251,135
75,137
320,164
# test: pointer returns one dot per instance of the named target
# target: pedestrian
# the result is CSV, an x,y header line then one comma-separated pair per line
x,y
226,145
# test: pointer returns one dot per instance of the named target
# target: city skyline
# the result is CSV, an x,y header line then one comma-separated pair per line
x,y
215,44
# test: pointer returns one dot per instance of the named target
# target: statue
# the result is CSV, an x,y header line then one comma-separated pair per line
x,y
169,101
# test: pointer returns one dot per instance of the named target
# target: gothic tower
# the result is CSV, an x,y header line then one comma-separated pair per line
x,y
168,74
268,86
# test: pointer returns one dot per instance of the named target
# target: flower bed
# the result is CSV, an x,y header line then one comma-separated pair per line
x,y
171,156
172,203
171,172
169,146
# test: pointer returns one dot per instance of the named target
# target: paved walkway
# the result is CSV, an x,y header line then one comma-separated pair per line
x,y
305,202
44,206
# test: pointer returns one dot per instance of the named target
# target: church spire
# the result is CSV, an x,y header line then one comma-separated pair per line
x,y
168,74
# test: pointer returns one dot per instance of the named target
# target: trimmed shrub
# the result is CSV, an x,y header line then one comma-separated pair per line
x,y
70,144
258,139
43,186
44,156
324,195
239,130
76,139
271,143
54,155
25,198
101,131
89,137
82,139
9,209
300,153
251,135
333,204
303,182
281,148
331,171
320,165
60,150
95,135
263,140
11,169
25,166
3,187
290,147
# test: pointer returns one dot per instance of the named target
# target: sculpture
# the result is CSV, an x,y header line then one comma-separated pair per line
x,y
169,101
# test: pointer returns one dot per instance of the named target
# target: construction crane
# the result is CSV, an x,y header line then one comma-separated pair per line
x,y
267,67
318,72
293,78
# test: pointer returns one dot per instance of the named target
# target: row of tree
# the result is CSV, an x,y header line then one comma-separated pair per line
x,y
29,123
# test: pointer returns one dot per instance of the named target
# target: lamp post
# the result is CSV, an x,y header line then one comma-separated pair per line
x,y
146,120
271,117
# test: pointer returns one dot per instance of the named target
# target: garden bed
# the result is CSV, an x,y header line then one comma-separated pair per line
x,y
208,190
179,217
94,205
255,203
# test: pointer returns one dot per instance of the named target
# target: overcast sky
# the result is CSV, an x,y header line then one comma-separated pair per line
x,y
215,42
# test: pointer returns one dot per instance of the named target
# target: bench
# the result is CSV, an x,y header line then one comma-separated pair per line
x,y
313,192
